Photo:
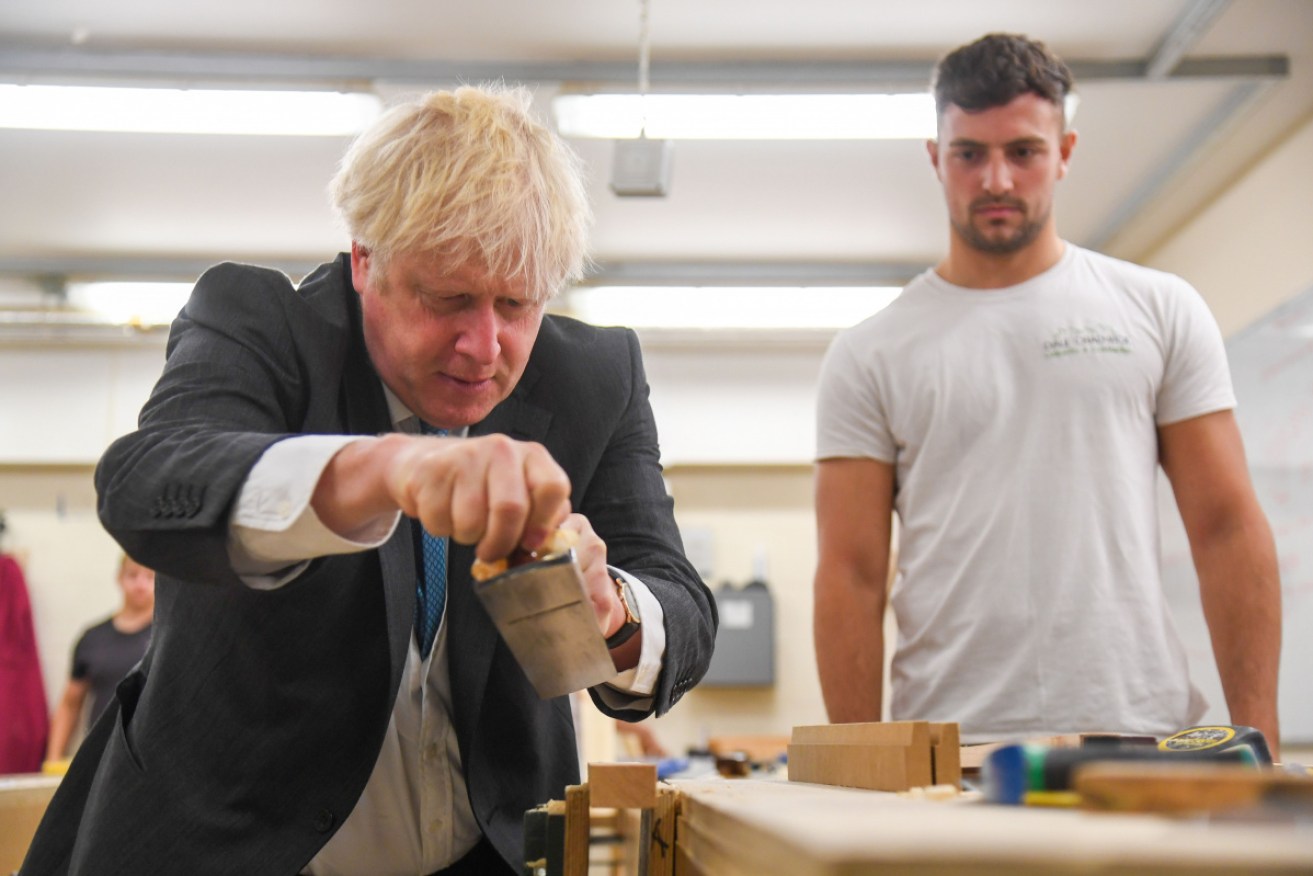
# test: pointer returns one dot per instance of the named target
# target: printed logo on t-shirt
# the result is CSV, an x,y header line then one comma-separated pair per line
x,y
1092,337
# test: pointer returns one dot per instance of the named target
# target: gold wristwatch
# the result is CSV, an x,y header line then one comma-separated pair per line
x,y
632,623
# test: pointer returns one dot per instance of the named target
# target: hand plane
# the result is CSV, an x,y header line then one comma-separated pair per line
x,y
542,611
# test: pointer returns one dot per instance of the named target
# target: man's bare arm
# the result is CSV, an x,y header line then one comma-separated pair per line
x,y
1235,558
65,719
854,508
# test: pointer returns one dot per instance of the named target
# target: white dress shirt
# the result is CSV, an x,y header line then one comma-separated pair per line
x,y
414,816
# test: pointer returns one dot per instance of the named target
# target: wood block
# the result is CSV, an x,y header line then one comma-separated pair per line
x,y
870,733
884,755
877,767
758,748
622,785
577,824
946,754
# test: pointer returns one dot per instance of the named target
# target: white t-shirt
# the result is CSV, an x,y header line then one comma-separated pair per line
x,y
1021,423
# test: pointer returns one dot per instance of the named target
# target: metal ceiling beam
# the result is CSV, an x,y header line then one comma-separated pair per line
x,y
1193,23
628,273
1167,62
178,268
20,63
764,273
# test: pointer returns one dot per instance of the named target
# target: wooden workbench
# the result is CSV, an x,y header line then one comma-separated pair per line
x,y
749,827
23,800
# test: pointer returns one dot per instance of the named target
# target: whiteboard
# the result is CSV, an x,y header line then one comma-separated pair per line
x,y
1272,367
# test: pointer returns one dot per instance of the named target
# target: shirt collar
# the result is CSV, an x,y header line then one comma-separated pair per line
x,y
404,420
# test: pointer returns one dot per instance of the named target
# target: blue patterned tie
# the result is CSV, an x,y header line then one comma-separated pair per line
x,y
431,589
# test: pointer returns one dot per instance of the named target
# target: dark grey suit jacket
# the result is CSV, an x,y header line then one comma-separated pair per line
x,y
247,734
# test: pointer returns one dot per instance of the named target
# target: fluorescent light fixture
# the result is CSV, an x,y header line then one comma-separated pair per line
x,y
185,111
729,307
747,116
137,304
909,116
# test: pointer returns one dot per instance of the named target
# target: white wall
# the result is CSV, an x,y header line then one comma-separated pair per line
x,y
63,405
735,406
1252,248
741,405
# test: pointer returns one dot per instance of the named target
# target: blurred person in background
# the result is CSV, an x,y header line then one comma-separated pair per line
x,y
103,655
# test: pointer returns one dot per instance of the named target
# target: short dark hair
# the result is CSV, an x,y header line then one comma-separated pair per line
x,y
996,69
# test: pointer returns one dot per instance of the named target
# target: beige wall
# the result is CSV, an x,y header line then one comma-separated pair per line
x,y
68,560
1252,248
748,510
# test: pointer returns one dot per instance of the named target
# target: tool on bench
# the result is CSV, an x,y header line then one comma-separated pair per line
x,y
1217,738
1195,787
1012,772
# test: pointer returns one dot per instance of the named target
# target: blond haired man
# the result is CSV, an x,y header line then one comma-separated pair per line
x,y
300,711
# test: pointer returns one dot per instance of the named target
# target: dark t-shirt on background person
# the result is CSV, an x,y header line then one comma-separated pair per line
x,y
102,656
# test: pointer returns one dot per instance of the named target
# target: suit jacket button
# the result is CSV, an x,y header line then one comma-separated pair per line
x,y
323,821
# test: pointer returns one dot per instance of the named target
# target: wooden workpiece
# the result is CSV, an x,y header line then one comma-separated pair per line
x,y
759,748
879,768
765,828
23,800
769,827
622,785
883,756
946,753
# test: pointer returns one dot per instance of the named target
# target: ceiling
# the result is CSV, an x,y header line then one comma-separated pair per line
x,y
1158,139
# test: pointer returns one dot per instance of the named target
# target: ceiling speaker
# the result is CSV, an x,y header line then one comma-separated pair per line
x,y
641,168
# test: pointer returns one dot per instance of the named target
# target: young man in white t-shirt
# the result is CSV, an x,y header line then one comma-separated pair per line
x,y
1012,407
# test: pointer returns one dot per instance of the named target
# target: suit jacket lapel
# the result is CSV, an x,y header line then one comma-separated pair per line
x,y
517,417
365,409
471,637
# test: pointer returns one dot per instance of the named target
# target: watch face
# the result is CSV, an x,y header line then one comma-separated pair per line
x,y
627,597
632,623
